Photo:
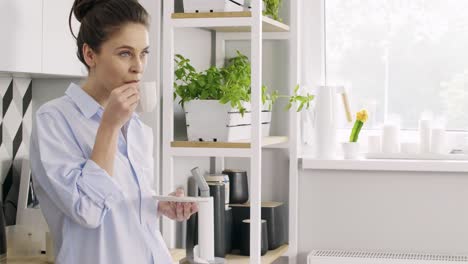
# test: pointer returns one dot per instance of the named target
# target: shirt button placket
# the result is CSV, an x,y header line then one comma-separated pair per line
x,y
137,173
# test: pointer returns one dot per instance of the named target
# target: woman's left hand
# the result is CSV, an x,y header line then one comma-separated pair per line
x,y
176,210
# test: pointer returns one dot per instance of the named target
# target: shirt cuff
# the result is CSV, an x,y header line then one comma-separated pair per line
x,y
99,186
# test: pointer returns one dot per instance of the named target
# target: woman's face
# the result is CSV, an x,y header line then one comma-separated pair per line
x,y
122,58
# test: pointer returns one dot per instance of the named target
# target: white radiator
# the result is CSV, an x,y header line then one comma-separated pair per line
x,y
361,257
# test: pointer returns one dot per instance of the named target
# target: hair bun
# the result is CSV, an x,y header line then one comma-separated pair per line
x,y
82,7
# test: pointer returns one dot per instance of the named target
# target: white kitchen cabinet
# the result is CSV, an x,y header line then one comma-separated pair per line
x,y
20,36
59,46
35,38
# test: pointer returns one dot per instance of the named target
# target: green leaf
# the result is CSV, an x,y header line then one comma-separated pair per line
x,y
300,107
224,100
296,89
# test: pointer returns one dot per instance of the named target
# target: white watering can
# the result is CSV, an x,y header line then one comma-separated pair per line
x,y
319,126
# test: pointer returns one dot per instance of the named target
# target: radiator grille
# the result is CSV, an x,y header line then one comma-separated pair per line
x,y
390,256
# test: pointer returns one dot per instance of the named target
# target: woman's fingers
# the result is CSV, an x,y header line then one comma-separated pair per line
x,y
180,212
194,208
187,210
179,192
134,99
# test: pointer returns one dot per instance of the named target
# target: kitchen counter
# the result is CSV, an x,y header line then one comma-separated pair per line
x,y
177,255
28,260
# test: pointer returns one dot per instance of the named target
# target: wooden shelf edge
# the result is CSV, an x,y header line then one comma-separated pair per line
x,y
266,141
270,257
279,26
195,144
269,24
211,15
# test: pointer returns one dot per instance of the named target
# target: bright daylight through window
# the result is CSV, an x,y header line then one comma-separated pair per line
x,y
402,57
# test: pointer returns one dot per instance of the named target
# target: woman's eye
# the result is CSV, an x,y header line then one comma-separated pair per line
x,y
144,53
125,54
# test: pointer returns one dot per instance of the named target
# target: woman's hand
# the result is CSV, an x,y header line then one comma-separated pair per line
x,y
122,102
176,210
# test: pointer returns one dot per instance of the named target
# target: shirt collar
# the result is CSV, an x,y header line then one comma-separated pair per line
x,y
87,105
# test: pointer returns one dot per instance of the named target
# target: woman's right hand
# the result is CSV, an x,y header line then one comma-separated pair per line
x,y
122,103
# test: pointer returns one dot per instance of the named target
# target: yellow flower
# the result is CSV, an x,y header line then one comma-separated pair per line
x,y
362,115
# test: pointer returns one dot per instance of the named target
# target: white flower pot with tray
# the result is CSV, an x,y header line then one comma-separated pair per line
x,y
210,6
209,120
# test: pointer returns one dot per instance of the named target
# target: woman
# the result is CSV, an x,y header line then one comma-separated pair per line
x,y
91,156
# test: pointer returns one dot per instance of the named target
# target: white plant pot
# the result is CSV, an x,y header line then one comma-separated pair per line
x,y
208,120
350,150
207,6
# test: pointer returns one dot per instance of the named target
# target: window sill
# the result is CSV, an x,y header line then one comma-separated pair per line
x,y
386,165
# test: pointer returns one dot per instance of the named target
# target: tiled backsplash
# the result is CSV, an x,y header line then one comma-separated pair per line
x,y
15,132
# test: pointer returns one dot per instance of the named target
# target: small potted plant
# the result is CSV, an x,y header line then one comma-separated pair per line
x,y
217,101
209,6
351,148
272,9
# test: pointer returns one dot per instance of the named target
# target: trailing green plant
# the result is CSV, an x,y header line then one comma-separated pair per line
x,y
229,84
302,100
272,9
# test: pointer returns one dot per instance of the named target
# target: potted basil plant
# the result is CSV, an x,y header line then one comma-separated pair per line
x,y
217,101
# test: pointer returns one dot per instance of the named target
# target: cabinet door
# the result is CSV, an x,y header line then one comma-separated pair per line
x,y
20,35
59,46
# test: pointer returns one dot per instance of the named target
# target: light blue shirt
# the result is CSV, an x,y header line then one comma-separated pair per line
x,y
93,217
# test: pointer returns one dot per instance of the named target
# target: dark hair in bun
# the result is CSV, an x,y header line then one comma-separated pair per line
x,y
101,18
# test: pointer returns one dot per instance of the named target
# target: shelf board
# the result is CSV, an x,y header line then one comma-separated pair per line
x,y
212,15
226,21
266,142
263,204
269,257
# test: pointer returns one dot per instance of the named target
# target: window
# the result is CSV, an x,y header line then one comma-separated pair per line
x,y
403,56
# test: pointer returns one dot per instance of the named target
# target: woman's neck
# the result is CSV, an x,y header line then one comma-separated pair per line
x,y
96,91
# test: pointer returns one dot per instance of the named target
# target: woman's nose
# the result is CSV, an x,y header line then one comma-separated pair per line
x,y
137,65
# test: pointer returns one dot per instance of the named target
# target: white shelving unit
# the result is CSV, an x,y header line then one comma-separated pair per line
x,y
234,25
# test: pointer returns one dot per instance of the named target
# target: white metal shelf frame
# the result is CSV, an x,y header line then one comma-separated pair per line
x,y
255,152
293,142
294,128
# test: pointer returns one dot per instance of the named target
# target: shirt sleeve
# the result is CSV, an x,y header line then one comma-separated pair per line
x,y
77,185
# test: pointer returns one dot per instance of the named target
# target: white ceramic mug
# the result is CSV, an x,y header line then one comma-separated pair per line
x,y
148,97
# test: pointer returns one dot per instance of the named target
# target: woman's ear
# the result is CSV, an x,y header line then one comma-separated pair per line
x,y
89,55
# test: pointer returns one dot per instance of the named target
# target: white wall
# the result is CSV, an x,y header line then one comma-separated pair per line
x,y
390,211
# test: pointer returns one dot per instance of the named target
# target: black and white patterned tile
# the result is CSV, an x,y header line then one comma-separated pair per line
x,y
15,130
